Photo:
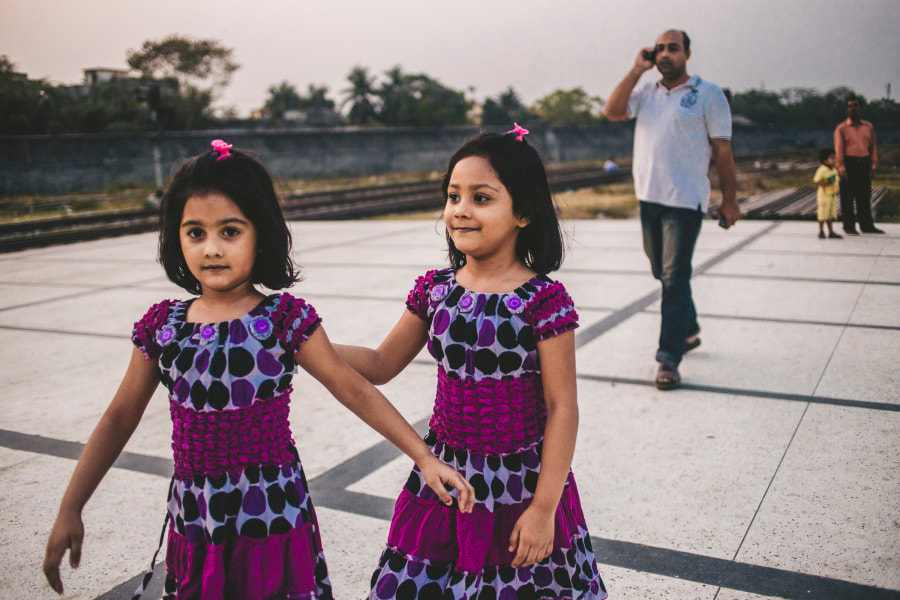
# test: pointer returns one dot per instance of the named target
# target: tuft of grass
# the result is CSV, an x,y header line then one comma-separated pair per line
x,y
888,210
613,201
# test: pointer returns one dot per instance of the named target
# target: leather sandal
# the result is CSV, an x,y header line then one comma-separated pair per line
x,y
667,377
691,343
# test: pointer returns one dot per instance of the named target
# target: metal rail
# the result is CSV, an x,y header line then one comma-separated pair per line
x,y
791,204
348,203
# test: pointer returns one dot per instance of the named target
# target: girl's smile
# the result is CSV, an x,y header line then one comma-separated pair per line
x,y
479,211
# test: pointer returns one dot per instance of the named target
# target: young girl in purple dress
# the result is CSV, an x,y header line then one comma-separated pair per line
x,y
240,520
505,415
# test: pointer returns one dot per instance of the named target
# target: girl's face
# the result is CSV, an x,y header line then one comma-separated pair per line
x,y
218,242
479,211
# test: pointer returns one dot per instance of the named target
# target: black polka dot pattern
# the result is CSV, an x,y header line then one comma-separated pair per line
x,y
477,335
210,368
229,365
500,481
403,577
257,503
507,479
482,341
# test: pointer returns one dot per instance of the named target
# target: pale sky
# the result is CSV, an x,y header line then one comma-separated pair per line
x,y
536,46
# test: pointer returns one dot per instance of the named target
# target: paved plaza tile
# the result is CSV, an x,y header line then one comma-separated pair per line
x,y
773,473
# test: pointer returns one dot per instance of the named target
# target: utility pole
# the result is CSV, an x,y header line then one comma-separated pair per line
x,y
153,100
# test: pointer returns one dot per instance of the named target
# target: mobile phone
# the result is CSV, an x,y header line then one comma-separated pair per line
x,y
723,223
650,55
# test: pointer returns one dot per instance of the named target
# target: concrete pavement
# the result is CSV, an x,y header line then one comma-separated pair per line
x,y
772,474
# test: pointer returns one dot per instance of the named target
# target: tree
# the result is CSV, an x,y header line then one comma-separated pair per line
x,y
282,98
23,103
360,96
573,106
417,100
316,98
762,106
388,94
506,109
199,63
195,71
800,107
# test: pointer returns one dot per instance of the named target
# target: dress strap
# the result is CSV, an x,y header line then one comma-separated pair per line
x,y
162,535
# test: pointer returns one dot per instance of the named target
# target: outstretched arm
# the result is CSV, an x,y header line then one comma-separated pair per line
x,y
532,537
616,107
382,364
320,359
104,446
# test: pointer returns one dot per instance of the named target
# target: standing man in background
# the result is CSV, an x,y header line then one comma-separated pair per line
x,y
854,147
681,121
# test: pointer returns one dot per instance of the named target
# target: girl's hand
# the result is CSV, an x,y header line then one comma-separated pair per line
x,y
532,537
437,475
67,533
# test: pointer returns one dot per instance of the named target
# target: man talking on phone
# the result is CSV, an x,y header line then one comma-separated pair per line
x,y
681,120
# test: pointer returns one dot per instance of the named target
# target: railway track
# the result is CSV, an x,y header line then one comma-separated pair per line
x,y
791,204
349,203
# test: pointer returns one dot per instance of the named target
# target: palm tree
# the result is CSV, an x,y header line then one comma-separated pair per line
x,y
359,96
389,93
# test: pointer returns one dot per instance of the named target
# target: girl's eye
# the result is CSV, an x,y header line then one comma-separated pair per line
x,y
195,233
453,197
230,232
481,198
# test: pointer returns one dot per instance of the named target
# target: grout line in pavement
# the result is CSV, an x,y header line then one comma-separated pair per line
x,y
592,332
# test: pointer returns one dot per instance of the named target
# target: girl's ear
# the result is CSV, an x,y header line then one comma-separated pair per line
x,y
522,222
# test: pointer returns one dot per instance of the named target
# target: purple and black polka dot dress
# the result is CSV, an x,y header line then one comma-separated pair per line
x,y
241,521
488,423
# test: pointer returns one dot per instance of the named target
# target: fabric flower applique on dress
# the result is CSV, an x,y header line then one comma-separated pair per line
x,y
207,334
439,292
261,327
514,304
165,335
467,302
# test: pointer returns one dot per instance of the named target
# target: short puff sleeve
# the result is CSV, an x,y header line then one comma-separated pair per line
x,y
294,321
146,331
551,311
419,299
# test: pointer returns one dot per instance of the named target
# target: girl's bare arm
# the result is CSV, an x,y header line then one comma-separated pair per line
x,y
103,447
320,359
382,364
532,537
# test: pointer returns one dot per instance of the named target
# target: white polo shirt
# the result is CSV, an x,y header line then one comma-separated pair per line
x,y
672,141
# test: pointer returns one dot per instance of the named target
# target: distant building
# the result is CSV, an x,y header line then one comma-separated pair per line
x,y
475,114
100,75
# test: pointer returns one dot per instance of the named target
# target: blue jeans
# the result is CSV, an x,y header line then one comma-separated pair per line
x,y
670,235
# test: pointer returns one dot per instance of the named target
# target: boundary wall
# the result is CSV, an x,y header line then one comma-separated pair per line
x,y
69,163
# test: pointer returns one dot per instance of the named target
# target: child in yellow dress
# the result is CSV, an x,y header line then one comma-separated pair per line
x,y
826,180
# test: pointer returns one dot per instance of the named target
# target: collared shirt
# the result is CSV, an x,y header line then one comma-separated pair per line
x,y
854,140
672,140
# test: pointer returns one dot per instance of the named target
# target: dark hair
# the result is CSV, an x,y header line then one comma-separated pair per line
x,y
521,171
854,97
687,41
824,153
246,182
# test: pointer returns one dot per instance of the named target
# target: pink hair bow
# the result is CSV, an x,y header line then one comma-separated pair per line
x,y
221,147
521,131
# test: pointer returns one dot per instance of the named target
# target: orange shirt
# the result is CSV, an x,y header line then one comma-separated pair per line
x,y
854,140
